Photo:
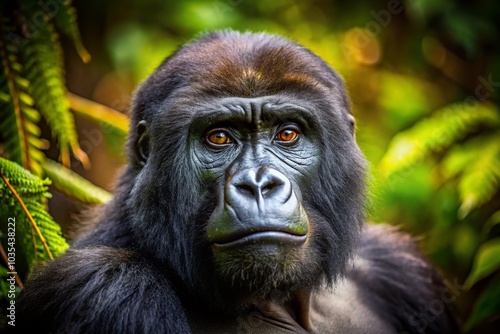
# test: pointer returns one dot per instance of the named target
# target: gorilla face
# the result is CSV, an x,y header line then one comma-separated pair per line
x,y
248,182
258,151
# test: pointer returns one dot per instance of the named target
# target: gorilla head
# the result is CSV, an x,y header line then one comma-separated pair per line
x,y
245,179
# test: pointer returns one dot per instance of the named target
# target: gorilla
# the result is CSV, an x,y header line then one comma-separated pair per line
x,y
240,210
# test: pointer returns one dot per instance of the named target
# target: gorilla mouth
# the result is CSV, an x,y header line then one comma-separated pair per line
x,y
279,238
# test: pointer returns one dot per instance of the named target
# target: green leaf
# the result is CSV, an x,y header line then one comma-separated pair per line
x,y
486,306
51,231
106,117
492,221
73,185
43,68
477,163
459,157
481,178
23,198
436,133
486,262
66,22
18,120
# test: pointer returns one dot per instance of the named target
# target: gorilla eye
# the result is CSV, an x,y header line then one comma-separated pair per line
x,y
287,135
219,137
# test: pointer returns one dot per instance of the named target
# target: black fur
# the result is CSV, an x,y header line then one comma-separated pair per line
x,y
146,264
100,290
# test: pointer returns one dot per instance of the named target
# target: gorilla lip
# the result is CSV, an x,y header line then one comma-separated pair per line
x,y
263,237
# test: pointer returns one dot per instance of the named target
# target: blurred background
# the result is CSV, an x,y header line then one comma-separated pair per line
x,y
424,79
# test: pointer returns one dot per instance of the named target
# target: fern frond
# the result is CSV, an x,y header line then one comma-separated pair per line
x,y
23,197
66,21
18,120
73,185
44,69
436,133
50,230
480,178
459,157
486,261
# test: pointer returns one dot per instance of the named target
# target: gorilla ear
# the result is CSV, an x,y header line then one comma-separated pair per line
x,y
142,144
352,123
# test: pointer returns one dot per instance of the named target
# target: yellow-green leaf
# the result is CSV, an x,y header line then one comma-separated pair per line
x,y
436,133
96,112
487,261
73,185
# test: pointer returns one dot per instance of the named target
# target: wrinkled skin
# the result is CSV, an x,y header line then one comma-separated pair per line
x,y
240,210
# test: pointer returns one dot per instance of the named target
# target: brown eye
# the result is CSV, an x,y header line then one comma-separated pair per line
x,y
219,137
287,135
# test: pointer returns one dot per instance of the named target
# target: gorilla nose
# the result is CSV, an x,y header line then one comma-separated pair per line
x,y
261,185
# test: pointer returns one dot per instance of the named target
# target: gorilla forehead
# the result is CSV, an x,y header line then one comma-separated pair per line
x,y
251,111
228,64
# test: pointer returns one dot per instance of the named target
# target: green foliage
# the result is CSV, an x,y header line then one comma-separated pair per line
x,y
65,19
478,162
71,184
32,87
18,120
33,83
108,119
492,222
487,261
436,133
487,305
43,69
23,197
479,178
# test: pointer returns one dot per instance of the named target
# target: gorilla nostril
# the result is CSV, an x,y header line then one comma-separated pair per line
x,y
246,189
269,187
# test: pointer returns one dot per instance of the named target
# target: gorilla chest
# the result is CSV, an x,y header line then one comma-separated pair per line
x,y
337,311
